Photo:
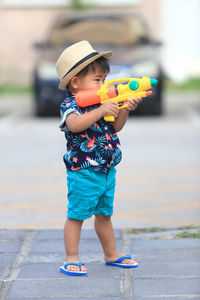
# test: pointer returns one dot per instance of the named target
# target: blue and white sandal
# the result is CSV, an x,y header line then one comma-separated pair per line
x,y
118,263
64,270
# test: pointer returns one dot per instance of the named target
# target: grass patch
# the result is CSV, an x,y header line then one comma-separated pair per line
x,y
192,84
8,89
146,230
192,226
80,4
160,229
186,234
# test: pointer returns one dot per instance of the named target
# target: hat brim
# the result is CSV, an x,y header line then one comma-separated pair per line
x,y
64,82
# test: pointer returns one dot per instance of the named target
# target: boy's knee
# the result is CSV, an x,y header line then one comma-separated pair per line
x,y
101,217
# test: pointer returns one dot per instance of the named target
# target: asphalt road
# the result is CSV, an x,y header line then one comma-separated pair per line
x,y
158,182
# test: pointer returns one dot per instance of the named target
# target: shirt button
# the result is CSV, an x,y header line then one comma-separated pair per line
x,y
105,127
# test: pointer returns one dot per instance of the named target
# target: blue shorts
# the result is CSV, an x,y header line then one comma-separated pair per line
x,y
90,193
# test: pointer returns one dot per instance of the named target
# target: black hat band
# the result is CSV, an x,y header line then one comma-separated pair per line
x,y
81,61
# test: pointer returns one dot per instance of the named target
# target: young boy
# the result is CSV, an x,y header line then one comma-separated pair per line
x,y
93,151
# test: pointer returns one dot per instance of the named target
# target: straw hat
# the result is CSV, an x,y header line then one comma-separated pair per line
x,y
74,59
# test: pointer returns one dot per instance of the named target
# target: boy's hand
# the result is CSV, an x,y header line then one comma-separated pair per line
x,y
133,103
109,108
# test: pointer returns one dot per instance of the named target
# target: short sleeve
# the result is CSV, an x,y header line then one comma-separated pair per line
x,y
67,107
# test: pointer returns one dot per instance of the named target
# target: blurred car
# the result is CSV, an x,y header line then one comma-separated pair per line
x,y
135,54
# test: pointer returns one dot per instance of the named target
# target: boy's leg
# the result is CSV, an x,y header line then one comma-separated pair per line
x,y
105,232
72,231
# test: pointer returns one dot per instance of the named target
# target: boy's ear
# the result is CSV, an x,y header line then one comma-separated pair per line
x,y
74,83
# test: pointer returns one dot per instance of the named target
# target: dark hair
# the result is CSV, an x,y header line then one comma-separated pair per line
x,y
101,63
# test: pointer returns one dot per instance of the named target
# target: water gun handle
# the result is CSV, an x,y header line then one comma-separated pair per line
x,y
109,118
112,118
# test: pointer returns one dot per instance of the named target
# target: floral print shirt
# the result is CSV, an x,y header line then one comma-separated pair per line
x,y
97,147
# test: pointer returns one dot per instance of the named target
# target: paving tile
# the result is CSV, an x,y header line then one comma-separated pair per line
x,y
45,246
45,257
166,287
46,270
39,270
57,246
182,297
6,262
50,235
68,286
169,255
60,257
59,234
12,234
162,270
165,244
10,246
7,258
92,246
68,298
4,270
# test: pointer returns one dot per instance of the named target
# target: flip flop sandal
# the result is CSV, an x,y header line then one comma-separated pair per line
x,y
118,263
64,270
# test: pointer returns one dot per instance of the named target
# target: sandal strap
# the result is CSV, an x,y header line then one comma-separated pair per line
x,y
75,264
119,260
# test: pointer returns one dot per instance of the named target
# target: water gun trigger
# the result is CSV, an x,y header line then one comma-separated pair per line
x,y
122,106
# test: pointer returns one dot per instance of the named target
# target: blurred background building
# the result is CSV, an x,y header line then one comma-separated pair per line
x,y
181,43
175,23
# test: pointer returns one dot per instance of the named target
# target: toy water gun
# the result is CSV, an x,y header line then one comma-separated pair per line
x,y
136,87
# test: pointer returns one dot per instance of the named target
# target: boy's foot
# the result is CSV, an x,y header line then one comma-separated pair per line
x,y
121,260
73,268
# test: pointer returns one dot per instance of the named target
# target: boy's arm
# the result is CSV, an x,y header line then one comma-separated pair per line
x,y
123,113
78,123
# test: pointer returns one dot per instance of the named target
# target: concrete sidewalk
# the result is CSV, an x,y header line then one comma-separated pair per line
x,y
29,269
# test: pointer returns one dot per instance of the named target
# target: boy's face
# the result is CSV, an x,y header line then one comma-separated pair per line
x,y
93,79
